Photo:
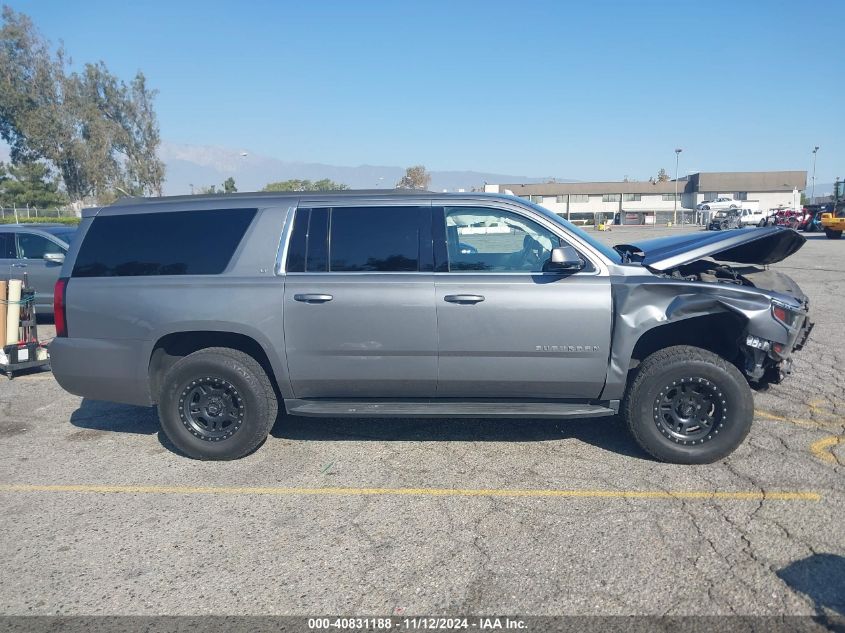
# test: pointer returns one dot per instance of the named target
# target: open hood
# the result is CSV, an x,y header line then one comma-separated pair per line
x,y
766,245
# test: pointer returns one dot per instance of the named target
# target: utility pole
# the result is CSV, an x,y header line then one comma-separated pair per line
x,y
813,195
678,151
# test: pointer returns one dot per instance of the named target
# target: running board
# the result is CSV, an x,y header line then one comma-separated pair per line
x,y
435,409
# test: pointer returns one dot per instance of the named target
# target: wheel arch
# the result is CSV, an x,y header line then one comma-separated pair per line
x,y
170,347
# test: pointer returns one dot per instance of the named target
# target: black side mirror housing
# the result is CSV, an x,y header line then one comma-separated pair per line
x,y
564,258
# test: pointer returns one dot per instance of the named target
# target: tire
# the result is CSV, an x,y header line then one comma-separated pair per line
x,y
706,207
688,377
761,223
217,379
733,206
833,235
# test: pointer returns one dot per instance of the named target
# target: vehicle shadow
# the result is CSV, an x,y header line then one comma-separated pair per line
x,y
97,415
821,577
608,434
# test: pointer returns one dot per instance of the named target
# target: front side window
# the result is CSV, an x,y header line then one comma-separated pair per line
x,y
496,241
35,246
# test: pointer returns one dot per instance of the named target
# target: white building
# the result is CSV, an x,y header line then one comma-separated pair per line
x,y
649,202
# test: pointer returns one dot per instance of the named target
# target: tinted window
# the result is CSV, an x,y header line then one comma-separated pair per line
x,y
491,240
7,246
382,239
179,243
35,246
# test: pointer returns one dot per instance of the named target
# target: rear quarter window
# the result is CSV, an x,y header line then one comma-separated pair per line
x,y
170,243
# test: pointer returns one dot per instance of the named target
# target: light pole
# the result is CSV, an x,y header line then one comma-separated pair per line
x,y
815,152
678,151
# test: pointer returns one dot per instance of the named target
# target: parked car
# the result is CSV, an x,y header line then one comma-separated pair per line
x,y
223,310
723,220
39,251
719,203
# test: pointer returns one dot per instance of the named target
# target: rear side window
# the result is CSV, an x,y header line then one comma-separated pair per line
x,y
361,239
177,243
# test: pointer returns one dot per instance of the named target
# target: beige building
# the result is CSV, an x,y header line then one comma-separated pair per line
x,y
650,202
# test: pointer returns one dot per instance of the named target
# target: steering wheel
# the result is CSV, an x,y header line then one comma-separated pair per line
x,y
533,255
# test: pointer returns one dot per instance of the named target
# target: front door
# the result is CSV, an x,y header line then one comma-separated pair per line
x,y
359,311
41,274
508,330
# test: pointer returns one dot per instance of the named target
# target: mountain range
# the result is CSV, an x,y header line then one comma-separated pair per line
x,y
202,165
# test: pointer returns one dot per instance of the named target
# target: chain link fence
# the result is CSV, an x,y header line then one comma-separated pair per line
x,y
34,214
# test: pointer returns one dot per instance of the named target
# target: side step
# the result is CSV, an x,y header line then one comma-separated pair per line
x,y
441,409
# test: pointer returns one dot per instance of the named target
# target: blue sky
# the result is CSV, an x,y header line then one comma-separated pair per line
x,y
586,90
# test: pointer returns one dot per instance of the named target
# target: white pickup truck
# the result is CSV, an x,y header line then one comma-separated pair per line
x,y
753,216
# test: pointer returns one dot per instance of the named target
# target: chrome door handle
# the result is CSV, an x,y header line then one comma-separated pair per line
x,y
312,298
464,298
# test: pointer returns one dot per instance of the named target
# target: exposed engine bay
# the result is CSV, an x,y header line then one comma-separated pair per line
x,y
752,276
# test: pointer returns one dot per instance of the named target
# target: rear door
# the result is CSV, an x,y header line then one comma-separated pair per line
x,y
359,311
506,329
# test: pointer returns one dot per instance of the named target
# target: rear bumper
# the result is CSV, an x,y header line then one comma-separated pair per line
x,y
102,369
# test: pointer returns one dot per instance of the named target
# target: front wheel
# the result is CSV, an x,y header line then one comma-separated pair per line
x,y
217,404
688,406
833,235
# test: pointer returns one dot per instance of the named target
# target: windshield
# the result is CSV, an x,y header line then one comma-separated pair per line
x,y
604,249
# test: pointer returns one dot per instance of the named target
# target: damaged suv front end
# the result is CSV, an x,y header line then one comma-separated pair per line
x,y
766,313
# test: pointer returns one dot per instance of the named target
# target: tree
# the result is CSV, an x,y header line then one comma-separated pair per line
x,y
99,133
305,185
229,185
662,176
415,177
29,185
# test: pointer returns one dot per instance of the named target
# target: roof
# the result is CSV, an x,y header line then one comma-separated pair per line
x,y
264,199
725,181
718,181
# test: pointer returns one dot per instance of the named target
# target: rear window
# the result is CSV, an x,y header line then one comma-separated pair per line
x,y
178,243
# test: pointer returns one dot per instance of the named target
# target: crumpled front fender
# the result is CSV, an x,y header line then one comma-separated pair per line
x,y
644,303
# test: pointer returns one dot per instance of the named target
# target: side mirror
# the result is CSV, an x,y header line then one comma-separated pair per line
x,y
564,258
54,258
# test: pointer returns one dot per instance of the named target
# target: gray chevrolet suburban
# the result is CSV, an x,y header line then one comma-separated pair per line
x,y
223,310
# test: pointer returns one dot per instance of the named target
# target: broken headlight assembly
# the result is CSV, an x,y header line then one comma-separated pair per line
x,y
785,314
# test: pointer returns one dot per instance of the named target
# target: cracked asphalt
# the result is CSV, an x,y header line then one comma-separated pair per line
x,y
168,545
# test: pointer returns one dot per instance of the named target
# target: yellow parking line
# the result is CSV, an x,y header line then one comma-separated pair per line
x,y
418,492
823,449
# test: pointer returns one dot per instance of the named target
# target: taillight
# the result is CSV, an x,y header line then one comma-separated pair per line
x,y
780,313
59,316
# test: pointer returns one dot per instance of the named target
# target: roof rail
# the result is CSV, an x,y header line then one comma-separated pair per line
x,y
271,194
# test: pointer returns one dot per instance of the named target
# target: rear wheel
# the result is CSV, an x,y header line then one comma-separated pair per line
x,y
762,222
217,404
832,235
688,406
